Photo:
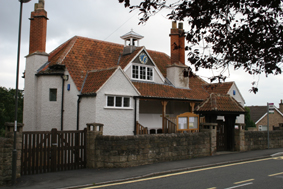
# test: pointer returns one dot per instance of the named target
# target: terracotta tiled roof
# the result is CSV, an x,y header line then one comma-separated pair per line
x,y
220,103
153,90
95,79
221,88
125,59
81,56
161,60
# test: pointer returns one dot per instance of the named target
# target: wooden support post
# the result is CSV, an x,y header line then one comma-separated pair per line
x,y
54,145
164,104
192,104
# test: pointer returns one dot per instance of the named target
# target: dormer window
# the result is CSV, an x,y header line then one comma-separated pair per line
x,y
142,73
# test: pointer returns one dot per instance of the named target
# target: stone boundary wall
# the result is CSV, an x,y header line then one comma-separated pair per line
x,y
6,151
257,140
129,151
6,148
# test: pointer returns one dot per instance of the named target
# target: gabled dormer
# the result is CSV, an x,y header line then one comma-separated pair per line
x,y
143,68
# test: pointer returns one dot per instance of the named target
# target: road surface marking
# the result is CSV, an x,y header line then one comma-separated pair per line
x,y
275,174
238,186
278,158
243,181
212,188
178,173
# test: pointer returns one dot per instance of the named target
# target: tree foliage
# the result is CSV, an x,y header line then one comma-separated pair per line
x,y
248,121
7,106
242,33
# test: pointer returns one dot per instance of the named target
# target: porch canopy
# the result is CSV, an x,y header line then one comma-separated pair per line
x,y
221,105
160,100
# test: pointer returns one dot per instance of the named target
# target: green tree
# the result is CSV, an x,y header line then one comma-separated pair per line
x,y
7,106
248,121
244,34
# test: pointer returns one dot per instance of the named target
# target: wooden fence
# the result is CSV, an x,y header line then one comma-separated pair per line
x,y
49,151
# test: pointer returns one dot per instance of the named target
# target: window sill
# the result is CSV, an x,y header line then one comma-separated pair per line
x,y
118,108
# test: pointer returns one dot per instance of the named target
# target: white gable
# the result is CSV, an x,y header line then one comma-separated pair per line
x,y
157,75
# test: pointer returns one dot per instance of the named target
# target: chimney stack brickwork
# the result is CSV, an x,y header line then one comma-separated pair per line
x,y
175,71
177,44
281,106
38,27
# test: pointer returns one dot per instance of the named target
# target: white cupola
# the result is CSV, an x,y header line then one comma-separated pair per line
x,y
130,39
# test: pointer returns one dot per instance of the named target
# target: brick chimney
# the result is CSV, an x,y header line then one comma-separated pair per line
x,y
38,25
177,43
177,72
281,106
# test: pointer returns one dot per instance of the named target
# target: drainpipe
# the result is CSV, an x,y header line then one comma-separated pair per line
x,y
62,103
78,111
135,116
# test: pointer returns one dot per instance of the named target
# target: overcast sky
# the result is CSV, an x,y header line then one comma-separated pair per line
x,y
104,20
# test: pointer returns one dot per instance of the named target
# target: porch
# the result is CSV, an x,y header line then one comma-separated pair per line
x,y
157,116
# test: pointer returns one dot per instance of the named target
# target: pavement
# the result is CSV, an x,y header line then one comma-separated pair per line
x,y
86,177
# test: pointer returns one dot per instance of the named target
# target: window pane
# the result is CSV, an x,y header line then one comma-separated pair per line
x,y
126,102
149,74
118,101
53,94
110,101
142,72
135,72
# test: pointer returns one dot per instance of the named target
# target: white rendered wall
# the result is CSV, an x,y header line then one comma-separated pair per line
x,y
33,63
87,112
49,112
176,76
70,105
151,112
238,98
116,121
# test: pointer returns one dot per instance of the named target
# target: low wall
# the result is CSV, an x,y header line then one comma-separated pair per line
x,y
128,151
6,148
257,140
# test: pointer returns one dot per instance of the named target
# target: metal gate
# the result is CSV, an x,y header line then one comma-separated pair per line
x,y
50,151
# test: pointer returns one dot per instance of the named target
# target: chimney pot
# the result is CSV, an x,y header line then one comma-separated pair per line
x,y
174,25
180,25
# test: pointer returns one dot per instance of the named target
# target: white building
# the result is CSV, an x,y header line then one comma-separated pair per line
x,y
86,80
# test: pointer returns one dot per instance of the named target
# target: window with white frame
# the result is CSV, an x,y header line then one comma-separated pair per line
x,y
142,72
118,101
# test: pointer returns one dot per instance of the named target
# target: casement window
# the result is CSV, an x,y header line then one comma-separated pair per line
x,y
118,101
52,94
142,72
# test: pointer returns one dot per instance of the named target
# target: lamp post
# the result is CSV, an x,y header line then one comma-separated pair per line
x,y
14,157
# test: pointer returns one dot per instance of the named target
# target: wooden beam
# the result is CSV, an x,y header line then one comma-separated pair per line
x,y
192,104
164,104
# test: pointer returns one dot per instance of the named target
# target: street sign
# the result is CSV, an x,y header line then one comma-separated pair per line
x,y
271,108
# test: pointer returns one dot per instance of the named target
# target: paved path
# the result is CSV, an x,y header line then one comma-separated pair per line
x,y
71,179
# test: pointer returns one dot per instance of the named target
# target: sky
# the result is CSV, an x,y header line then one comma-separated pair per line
x,y
106,20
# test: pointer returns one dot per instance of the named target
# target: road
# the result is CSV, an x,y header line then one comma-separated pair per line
x,y
260,174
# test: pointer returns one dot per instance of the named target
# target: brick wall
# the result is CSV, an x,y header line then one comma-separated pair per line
x,y
274,120
128,151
